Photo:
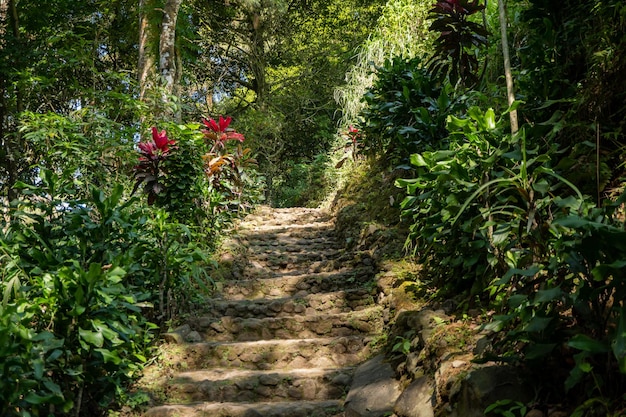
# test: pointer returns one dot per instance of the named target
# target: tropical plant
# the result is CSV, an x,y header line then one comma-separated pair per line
x,y
455,49
73,307
225,166
406,111
149,170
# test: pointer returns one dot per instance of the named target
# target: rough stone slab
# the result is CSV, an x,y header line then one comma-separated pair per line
x,y
361,322
288,409
290,284
417,399
330,302
335,352
374,390
230,385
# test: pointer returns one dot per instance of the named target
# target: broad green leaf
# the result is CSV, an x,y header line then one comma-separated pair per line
x,y
490,119
404,130
542,186
32,398
602,272
38,368
418,160
528,272
56,354
93,338
517,300
539,350
106,331
587,344
109,356
53,388
498,404
551,294
537,324
514,106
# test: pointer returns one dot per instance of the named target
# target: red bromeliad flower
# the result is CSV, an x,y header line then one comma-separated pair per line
x,y
160,142
147,149
219,131
353,132
218,127
148,171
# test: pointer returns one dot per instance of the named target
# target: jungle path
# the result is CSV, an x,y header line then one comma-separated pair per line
x,y
285,331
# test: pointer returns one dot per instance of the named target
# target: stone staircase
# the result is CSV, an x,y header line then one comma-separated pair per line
x,y
284,333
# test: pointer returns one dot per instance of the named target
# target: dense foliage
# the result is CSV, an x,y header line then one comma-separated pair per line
x,y
527,225
107,228
107,231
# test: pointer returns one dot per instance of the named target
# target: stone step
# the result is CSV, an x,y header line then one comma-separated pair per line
x,y
229,385
252,233
301,285
263,251
272,259
277,240
332,352
330,408
291,215
327,302
292,316
226,329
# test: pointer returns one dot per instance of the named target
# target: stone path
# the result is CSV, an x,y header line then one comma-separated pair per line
x,y
285,332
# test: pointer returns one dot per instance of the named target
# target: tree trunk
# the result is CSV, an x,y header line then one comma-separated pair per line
x,y
11,144
257,57
147,34
159,63
507,66
168,70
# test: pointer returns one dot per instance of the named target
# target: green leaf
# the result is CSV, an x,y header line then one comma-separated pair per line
x,y
38,368
514,106
528,272
539,350
109,356
106,331
602,272
542,186
587,344
53,388
490,119
537,324
93,338
551,294
517,300
418,160
36,399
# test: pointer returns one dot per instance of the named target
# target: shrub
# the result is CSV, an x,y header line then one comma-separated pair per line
x,y
406,111
492,219
72,310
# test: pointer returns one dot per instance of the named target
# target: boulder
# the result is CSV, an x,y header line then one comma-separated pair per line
x,y
374,390
417,399
483,386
